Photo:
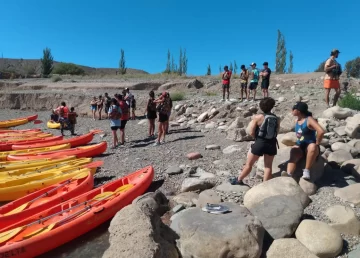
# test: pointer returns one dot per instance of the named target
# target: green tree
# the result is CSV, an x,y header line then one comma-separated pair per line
x,y
168,63
68,68
184,62
280,63
122,67
173,65
231,67
235,67
353,67
180,69
320,67
208,70
47,62
291,65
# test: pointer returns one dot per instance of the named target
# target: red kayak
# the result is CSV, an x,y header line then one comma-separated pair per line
x,y
43,199
19,131
7,146
51,228
74,142
31,118
80,152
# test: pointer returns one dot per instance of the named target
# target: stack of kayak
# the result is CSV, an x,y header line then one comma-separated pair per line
x,y
49,182
17,121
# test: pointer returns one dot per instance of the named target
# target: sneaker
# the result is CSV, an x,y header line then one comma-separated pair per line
x,y
156,144
306,175
285,174
234,181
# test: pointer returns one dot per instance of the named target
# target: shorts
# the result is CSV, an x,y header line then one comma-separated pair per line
x,y
253,85
93,107
261,147
115,128
226,86
303,146
243,85
151,115
331,84
163,117
265,84
123,124
107,109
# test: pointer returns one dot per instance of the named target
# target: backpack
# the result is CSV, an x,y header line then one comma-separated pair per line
x,y
268,128
115,113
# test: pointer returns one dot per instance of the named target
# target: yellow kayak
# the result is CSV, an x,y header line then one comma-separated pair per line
x,y
53,125
14,165
18,188
4,154
29,172
11,123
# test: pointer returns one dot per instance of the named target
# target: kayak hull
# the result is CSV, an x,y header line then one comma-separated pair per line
x,y
84,222
53,125
9,145
64,193
17,121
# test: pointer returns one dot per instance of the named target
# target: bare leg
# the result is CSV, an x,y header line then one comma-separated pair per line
x,y
150,127
254,94
295,156
93,113
327,93
242,93
336,96
160,131
122,135
223,93
228,92
312,153
115,139
264,93
248,166
268,160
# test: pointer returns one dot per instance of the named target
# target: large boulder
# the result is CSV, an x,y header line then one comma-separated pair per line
x,y
339,156
289,139
237,234
196,184
137,231
188,199
352,127
308,187
343,219
237,123
321,239
238,135
208,196
280,215
337,112
287,124
277,186
196,84
289,248
343,146
349,194
203,117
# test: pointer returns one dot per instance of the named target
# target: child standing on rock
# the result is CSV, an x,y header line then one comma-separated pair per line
x,y
264,127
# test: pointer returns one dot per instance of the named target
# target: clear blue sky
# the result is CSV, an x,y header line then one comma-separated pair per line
x,y
213,32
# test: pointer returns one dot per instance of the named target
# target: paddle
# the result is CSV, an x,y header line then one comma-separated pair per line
x,y
5,236
23,206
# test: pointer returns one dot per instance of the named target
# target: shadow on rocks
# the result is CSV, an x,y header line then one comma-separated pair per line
x,y
188,138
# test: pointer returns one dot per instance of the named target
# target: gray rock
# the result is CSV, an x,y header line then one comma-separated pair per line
x,y
289,139
178,208
212,147
238,123
349,194
178,106
223,127
201,174
189,110
236,234
155,201
355,253
343,146
231,149
238,135
188,199
337,112
203,117
208,196
173,170
289,248
195,184
343,220
340,131
308,187
280,215
229,188
287,123
339,156
210,125
223,173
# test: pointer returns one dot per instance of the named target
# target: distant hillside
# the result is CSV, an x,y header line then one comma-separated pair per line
x,y
33,66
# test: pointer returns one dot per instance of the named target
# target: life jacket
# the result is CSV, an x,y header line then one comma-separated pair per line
x,y
124,107
115,113
268,128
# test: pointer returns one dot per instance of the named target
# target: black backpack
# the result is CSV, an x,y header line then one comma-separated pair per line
x,y
268,128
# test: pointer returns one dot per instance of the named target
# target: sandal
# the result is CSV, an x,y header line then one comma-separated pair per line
x,y
235,181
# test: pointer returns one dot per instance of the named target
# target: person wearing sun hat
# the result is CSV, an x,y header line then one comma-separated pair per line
x,y
332,75
309,135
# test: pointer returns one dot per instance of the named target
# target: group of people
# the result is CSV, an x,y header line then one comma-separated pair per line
x,y
66,117
248,88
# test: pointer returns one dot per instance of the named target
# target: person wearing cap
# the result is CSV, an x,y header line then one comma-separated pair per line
x,y
309,135
332,75
254,75
244,75
163,108
265,83
226,82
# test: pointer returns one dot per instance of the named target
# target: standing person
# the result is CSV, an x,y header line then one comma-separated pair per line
x,y
264,127
129,97
254,76
151,113
265,83
107,104
63,112
226,76
332,76
93,106
72,120
309,135
163,109
124,116
100,105
169,113
244,75
114,115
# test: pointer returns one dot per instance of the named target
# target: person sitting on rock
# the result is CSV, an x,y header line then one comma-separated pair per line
x,y
54,117
264,127
309,135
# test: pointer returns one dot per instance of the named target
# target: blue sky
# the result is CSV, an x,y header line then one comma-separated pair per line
x,y
213,32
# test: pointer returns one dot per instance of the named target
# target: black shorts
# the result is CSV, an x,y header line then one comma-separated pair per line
x,y
151,115
303,146
253,85
123,124
226,86
243,85
163,117
265,84
115,128
261,147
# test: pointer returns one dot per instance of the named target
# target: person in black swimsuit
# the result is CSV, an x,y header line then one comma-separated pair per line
x,y
151,113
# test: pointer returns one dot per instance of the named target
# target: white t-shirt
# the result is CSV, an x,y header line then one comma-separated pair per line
x,y
129,98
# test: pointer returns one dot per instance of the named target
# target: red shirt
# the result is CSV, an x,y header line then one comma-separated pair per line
x,y
227,81
124,115
66,111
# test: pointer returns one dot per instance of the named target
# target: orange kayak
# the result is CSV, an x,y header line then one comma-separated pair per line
x,y
19,131
62,223
9,145
25,137
74,142
43,199
80,152
17,121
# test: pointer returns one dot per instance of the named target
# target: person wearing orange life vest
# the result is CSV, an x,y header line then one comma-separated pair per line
x,y
63,112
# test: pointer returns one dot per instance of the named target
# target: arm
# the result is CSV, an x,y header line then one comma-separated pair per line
x,y
327,67
320,132
253,125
